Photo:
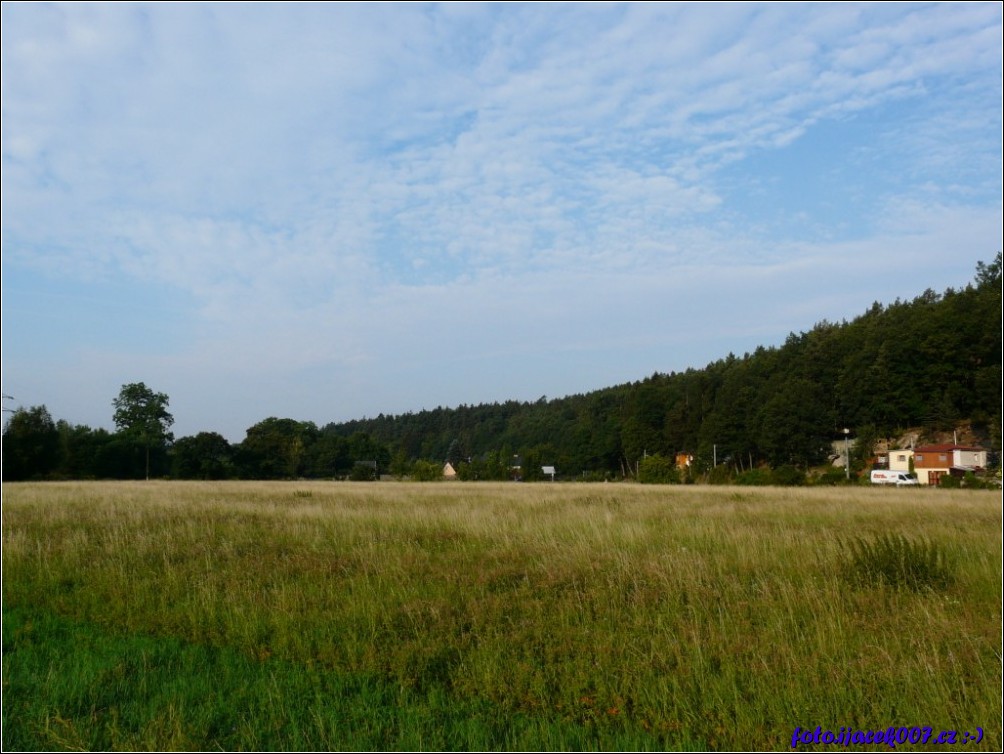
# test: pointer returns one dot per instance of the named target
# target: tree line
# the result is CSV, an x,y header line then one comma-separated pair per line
x,y
931,362
37,447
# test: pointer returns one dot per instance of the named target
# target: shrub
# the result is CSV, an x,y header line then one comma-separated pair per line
x,y
426,471
895,561
721,474
788,476
972,482
362,472
832,477
755,478
657,470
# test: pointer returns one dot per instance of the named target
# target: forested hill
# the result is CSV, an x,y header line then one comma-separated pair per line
x,y
930,362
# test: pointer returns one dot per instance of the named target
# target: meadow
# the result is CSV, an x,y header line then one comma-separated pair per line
x,y
454,616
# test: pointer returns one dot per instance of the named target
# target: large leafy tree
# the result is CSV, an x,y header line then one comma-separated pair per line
x,y
329,456
276,448
141,415
207,455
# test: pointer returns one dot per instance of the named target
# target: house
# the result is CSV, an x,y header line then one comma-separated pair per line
x,y
899,460
931,462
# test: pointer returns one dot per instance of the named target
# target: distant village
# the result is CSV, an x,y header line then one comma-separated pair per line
x,y
921,464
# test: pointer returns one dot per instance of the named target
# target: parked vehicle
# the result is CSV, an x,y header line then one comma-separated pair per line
x,y
899,478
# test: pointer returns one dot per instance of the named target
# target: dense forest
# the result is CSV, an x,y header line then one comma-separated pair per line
x,y
933,363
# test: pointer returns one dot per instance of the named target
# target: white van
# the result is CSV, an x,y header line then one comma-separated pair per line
x,y
899,478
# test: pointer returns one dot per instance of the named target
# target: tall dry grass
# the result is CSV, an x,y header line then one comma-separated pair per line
x,y
675,616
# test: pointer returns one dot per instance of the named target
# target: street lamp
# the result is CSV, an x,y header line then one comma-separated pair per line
x,y
847,453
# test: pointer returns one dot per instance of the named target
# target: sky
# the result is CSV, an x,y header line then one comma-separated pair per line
x,y
327,212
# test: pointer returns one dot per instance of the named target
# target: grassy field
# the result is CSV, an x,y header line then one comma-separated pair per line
x,y
399,616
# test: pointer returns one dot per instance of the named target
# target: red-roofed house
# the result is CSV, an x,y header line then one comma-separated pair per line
x,y
931,462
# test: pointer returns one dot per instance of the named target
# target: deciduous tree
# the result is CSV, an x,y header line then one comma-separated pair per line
x,y
141,415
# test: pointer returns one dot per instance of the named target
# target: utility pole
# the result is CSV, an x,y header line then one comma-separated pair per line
x,y
847,453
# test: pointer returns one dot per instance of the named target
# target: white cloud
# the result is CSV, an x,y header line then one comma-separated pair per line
x,y
333,185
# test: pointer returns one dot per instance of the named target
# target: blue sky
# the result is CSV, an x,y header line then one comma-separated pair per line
x,y
330,211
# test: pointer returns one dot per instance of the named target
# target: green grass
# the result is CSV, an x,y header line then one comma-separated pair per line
x,y
277,616
78,687
898,562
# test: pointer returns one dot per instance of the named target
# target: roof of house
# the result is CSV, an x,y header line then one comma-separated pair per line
x,y
944,448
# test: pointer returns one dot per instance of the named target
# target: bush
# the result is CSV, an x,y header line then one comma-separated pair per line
x,y
658,470
897,562
832,477
362,472
722,474
426,471
788,476
755,478
972,482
